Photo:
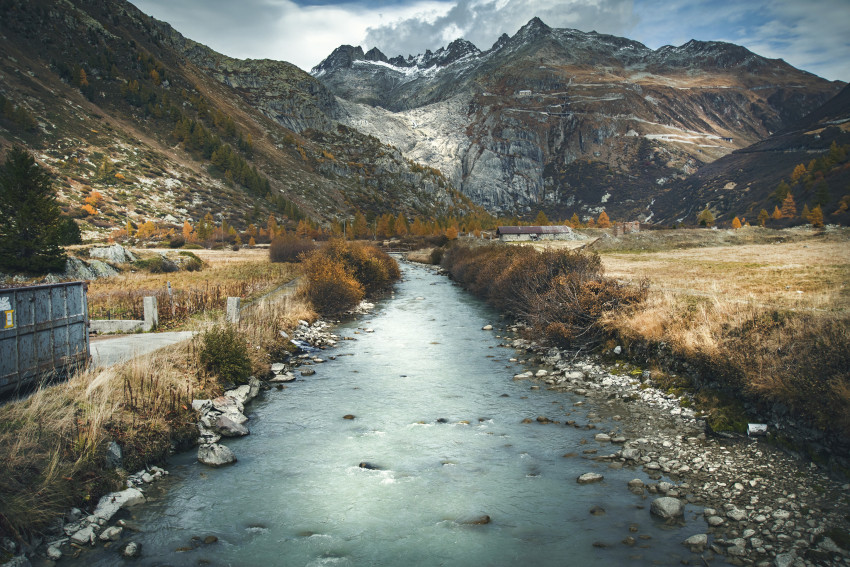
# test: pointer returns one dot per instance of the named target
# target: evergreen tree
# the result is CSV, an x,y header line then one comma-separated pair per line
x,y
541,219
29,224
705,218
763,216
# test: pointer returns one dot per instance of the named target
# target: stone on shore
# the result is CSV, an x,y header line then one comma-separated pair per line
x,y
109,504
667,508
112,533
590,477
487,328
215,455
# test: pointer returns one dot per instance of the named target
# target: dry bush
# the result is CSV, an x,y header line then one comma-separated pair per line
x,y
341,274
289,248
561,293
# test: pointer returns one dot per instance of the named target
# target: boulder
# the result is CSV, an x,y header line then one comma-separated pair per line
x,y
229,428
667,508
240,393
696,543
109,504
131,549
286,377
602,438
113,455
215,455
590,477
308,372
116,254
112,533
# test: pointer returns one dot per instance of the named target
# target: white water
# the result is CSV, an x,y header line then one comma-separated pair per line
x,y
297,497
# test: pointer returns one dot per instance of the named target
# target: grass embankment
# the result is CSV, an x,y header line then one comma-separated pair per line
x,y
767,322
53,444
758,315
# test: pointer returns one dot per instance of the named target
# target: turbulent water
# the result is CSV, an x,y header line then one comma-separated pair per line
x,y
298,497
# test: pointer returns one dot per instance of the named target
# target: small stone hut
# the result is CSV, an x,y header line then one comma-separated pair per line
x,y
534,233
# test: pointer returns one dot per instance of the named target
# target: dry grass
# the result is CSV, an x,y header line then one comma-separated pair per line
x,y
52,444
767,321
247,274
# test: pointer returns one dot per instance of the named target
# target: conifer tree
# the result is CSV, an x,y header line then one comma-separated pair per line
x,y
816,217
603,221
705,218
541,219
575,222
763,216
789,207
777,214
30,223
736,223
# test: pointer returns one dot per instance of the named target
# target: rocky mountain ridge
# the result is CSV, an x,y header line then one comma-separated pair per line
x,y
152,126
568,121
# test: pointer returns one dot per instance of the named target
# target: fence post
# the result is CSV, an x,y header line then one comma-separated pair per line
x,y
151,314
233,307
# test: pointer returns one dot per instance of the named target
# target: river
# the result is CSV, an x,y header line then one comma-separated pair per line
x,y
437,410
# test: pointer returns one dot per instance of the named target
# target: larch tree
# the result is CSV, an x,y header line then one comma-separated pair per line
x,y
541,219
777,214
30,222
763,216
603,221
789,207
736,223
706,218
816,217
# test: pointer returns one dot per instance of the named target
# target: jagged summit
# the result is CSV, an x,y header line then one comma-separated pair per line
x,y
571,120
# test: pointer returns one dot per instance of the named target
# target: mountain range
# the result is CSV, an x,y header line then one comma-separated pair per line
x,y
115,102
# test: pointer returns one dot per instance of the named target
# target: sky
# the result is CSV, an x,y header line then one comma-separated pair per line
x,y
813,35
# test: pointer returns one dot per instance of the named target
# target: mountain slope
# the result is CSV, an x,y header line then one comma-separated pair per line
x,y
747,180
167,130
569,121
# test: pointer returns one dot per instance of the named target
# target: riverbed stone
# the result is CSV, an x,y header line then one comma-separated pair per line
x,y
229,428
54,553
487,328
667,508
215,455
736,514
602,438
131,549
696,543
112,533
308,372
85,536
590,477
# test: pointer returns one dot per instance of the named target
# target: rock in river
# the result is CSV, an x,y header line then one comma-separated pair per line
x,y
587,478
215,455
667,507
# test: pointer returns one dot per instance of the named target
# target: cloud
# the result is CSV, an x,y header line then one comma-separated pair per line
x,y
810,35
483,21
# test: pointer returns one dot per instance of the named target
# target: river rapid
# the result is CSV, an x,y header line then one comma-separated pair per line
x,y
437,411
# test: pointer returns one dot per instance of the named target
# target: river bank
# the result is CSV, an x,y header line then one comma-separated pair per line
x,y
600,416
761,506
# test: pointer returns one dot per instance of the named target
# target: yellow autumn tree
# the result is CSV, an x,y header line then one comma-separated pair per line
x,y
603,221
777,214
816,217
736,223
763,216
789,207
798,172
187,231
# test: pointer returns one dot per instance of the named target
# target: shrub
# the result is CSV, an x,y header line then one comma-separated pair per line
x,y
331,287
341,274
192,263
561,293
289,248
156,264
176,241
224,353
